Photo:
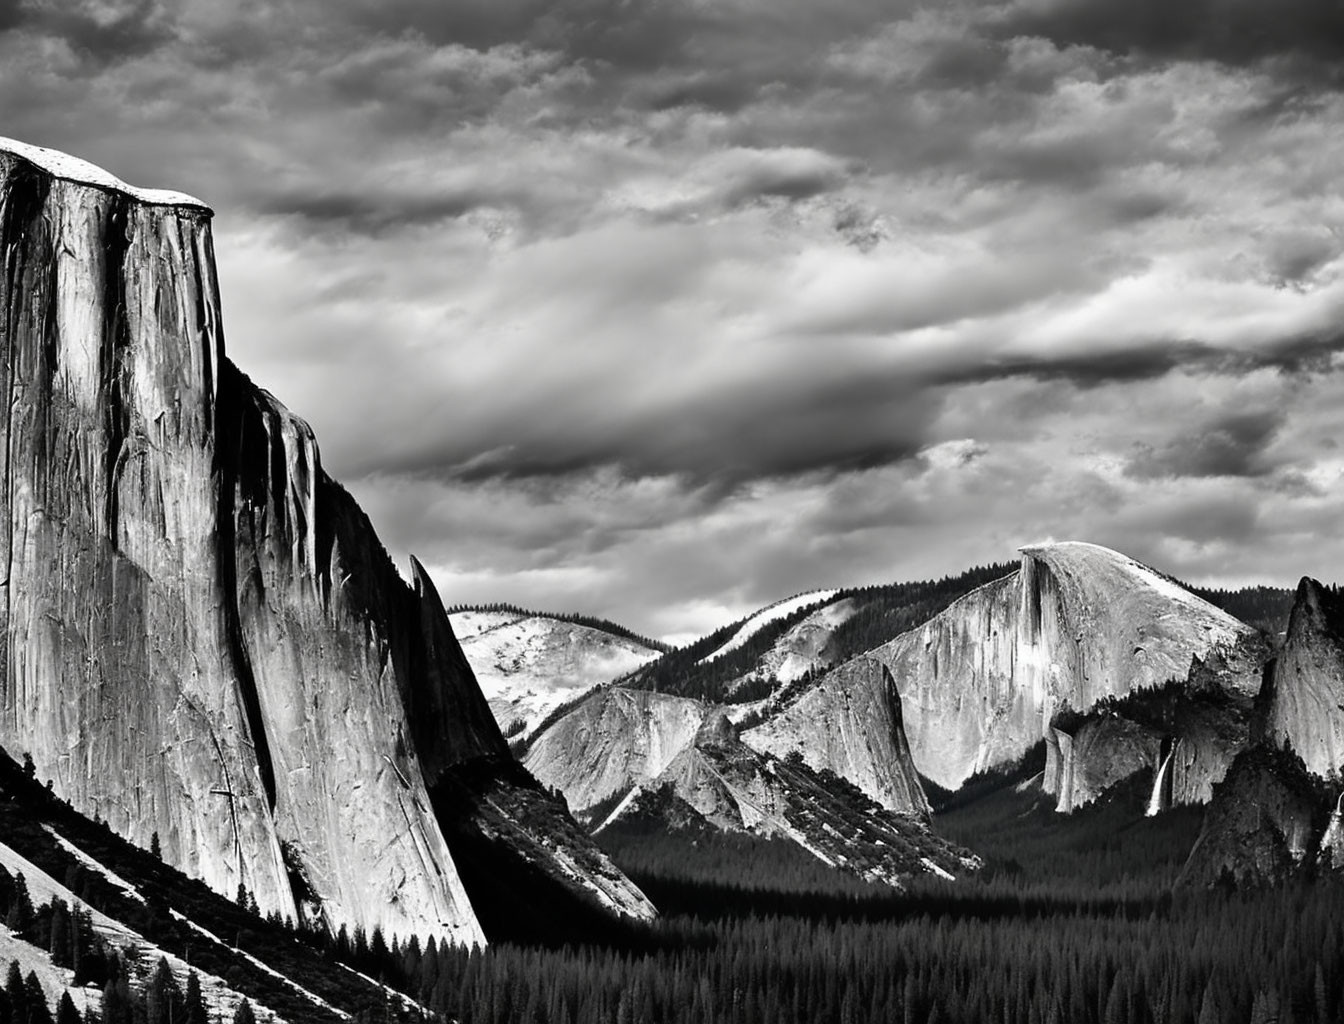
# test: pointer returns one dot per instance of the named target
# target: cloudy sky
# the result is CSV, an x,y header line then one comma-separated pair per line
x,y
666,309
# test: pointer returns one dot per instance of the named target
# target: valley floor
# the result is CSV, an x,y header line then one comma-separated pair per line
x,y
1073,922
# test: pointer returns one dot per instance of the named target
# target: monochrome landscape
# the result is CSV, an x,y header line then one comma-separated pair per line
x,y
706,513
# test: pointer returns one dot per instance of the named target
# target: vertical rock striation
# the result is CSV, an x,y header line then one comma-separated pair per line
x,y
1306,709
635,759
200,632
337,649
851,724
1075,625
120,663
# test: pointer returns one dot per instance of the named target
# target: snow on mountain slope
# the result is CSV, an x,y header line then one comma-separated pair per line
x,y
54,979
801,648
766,616
528,665
140,955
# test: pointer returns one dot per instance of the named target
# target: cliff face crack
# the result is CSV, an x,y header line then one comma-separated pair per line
x,y
227,791
21,203
229,408
117,331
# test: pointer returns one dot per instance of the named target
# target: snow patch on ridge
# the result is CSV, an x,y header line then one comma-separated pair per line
x,y
137,951
620,809
112,877
72,168
316,1000
529,665
766,616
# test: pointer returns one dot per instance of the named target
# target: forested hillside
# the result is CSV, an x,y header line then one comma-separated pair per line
x,y
1074,923
885,611
1265,608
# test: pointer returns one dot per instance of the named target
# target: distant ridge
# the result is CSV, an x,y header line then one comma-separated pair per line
x,y
882,612
591,621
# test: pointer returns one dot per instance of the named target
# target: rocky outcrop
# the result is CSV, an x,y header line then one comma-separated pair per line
x,y
850,723
622,757
1076,624
1267,819
121,654
1306,710
529,665
337,650
1184,734
1081,765
613,741
201,633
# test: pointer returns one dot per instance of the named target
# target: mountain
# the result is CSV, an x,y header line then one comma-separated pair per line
x,y
1306,708
1111,668
1269,817
991,663
850,723
1074,625
1278,811
783,645
637,760
202,636
529,663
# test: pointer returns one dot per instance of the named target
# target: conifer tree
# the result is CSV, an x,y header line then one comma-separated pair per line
x,y
194,1002
1209,1010
162,996
66,1012
59,938
38,1011
18,995
20,917
244,1014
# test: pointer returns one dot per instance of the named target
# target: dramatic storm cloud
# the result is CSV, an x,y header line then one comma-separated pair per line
x,y
662,311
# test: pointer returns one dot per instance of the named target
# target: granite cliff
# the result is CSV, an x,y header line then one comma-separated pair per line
x,y
201,634
628,757
1074,625
1306,709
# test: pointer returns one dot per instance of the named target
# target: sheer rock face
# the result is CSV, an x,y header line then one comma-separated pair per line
x,y
1077,623
614,740
338,648
1081,765
201,635
119,652
1185,736
850,723
1307,706
624,757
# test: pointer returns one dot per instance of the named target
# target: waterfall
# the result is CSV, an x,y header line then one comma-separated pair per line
x,y
1155,801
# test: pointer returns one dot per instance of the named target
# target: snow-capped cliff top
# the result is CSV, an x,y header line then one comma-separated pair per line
x,y
72,168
